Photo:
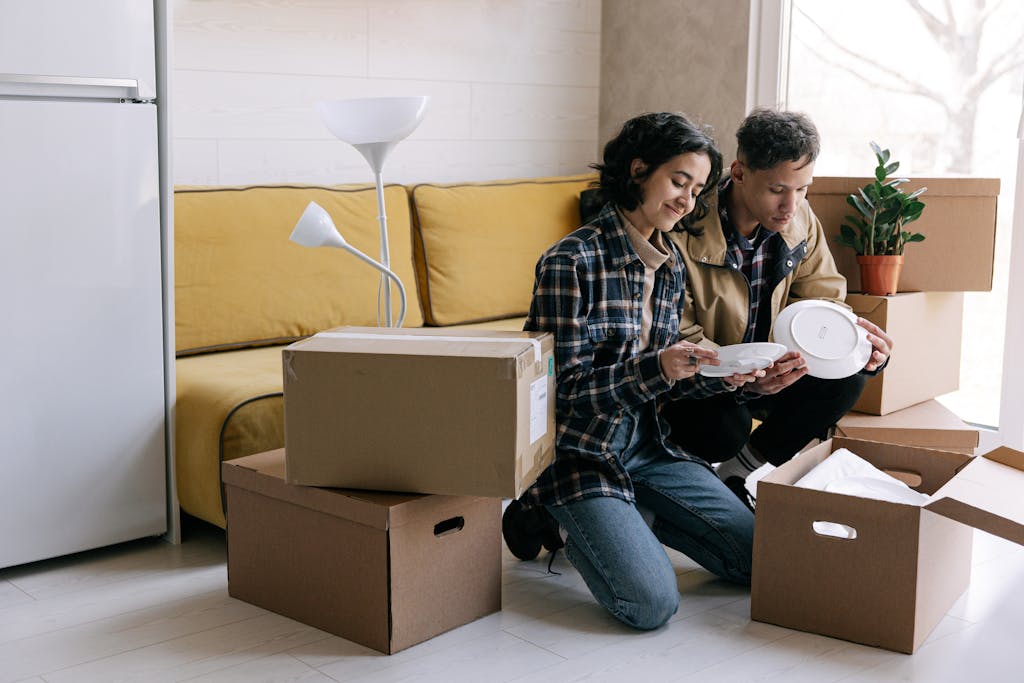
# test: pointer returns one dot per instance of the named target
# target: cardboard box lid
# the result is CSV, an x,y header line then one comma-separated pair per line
x,y
264,473
423,342
987,494
947,186
928,424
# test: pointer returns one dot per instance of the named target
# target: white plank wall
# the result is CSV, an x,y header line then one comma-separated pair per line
x,y
514,87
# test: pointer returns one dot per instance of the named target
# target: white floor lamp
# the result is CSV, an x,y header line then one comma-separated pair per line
x,y
374,126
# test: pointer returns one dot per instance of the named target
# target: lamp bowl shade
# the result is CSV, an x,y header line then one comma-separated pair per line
x,y
374,119
316,229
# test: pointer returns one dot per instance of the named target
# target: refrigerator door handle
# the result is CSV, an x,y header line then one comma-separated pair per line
x,y
34,85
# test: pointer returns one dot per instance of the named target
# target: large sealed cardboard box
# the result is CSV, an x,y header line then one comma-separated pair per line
x,y
959,225
929,425
384,570
426,411
903,567
927,330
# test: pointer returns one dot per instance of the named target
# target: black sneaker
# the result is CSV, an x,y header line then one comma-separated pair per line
x,y
527,529
738,486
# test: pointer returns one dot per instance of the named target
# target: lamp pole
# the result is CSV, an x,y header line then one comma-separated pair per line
x,y
385,253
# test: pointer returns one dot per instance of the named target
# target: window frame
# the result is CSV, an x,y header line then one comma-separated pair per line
x,y
1011,404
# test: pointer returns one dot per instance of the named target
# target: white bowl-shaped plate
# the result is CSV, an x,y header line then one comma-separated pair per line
x,y
879,489
740,359
826,335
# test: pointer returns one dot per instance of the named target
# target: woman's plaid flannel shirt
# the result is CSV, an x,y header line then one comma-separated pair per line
x,y
587,293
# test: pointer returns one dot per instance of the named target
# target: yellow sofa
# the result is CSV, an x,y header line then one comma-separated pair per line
x,y
465,252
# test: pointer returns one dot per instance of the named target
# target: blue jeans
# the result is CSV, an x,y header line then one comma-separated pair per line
x,y
621,559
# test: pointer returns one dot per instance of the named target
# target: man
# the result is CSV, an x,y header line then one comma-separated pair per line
x,y
761,249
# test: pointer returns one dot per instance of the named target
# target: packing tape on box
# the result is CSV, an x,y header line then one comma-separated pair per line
x,y
425,337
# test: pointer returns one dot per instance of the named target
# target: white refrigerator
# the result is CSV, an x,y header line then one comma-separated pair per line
x,y
82,385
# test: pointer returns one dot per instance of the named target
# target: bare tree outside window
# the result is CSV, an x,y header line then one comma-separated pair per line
x,y
939,82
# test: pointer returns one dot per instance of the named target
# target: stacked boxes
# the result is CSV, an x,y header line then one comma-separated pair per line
x,y
419,434
926,318
900,567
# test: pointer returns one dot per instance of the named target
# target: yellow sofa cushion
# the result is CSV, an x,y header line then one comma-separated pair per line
x,y
229,404
239,282
477,244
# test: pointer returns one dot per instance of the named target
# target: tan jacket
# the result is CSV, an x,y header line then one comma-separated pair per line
x,y
717,295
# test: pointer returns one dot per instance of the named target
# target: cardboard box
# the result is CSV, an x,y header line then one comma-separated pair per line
x,y
384,570
959,219
467,412
891,584
927,331
928,425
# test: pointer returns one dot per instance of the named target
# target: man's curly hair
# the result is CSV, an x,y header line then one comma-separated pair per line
x,y
768,137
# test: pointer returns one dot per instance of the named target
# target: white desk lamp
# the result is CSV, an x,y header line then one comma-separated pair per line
x,y
374,126
316,229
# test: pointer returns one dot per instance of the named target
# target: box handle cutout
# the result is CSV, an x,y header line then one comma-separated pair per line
x,y
908,477
449,526
834,530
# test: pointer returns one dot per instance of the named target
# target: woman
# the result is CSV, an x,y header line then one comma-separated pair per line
x,y
612,294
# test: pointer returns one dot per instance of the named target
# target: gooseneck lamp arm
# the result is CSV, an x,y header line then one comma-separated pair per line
x,y
316,229
387,272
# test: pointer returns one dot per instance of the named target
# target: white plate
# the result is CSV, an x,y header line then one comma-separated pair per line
x,y
826,335
739,359
879,489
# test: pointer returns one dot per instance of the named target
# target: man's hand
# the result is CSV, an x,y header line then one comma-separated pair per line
x,y
783,372
881,342
683,359
737,381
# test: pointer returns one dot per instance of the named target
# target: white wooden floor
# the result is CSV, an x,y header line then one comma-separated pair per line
x,y
149,611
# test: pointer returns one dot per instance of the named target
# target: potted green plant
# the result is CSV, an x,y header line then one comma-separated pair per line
x,y
877,231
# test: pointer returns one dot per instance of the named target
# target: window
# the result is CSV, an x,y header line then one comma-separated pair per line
x,y
944,94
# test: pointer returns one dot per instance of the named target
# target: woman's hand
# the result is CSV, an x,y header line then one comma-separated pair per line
x,y
683,359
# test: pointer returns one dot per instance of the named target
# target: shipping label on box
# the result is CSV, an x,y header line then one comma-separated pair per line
x,y
427,411
927,331
384,570
958,222
901,567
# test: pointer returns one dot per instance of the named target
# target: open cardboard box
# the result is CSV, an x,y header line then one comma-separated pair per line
x,y
457,412
927,331
959,218
892,583
384,570
928,424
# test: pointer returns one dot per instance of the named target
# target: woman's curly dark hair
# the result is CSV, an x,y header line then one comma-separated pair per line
x,y
654,139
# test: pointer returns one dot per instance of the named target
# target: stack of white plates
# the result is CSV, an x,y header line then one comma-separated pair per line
x,y
740,359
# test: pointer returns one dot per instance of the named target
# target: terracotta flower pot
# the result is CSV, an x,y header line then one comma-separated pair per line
x,y
880,275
